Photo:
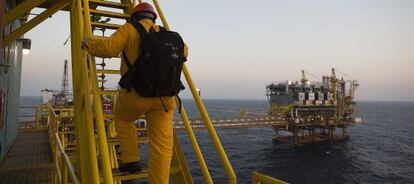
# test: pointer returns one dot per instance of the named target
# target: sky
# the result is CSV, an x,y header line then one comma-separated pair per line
x,y
237,47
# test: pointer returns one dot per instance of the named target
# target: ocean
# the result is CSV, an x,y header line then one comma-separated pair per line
x,y
381,150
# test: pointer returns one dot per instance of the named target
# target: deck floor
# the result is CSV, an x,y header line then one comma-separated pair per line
x,y
29,159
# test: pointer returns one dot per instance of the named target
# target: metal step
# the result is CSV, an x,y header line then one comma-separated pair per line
x,y
141,175
108,71
109,4
108,92
99,80
109,116
121,177
105,25
109,14
115,141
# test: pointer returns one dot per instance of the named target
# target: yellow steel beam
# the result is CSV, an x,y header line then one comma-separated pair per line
x,y
76,86
196,148
109,4
88,126
105,25
34,22
67,163
261,178
100,124
20,10
178,159
131,176
108,71
88,166
109,92
109,14
216,141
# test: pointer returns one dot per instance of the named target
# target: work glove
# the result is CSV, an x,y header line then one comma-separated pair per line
x,y
85,43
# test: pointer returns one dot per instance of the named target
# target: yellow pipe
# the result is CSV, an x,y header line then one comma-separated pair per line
x,y
34,22
76,21
196,148
206,119
20,10
106,164
65,158
63,167
84,124
88,127
216,141
261,178
75,75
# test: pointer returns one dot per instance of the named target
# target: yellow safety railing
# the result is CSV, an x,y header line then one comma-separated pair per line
x,y
205,117
62,163
88,113
100,124
84,126
259,178
86,90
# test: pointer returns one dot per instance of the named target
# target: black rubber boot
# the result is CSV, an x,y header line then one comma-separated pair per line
x,y
130,167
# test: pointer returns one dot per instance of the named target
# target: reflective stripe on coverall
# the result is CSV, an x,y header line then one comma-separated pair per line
x,y
130,106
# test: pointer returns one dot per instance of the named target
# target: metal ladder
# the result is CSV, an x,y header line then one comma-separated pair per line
x,y
179,170
92,126
89,114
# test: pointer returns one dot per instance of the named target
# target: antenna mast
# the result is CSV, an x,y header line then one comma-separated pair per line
x,y
65,79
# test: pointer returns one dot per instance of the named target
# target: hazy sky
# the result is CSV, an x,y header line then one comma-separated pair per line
x,y
237,47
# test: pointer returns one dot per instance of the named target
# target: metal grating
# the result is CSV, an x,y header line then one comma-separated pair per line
x,y
29,160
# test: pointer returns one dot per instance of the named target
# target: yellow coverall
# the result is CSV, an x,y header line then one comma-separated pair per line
x,y
130,105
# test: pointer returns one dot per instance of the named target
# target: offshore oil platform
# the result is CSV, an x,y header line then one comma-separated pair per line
x,y
312,111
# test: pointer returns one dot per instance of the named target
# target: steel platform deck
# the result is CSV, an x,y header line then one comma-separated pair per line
x,y
29,159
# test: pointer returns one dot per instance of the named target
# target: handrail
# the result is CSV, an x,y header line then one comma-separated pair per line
x,y
88,163
261,178
62,165
68,164
216,141
100,124
196,148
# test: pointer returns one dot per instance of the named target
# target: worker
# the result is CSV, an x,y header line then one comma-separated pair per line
x,y
130,105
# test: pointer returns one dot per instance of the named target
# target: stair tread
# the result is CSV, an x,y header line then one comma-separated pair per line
x,y
109,4
108,92
118,176
112,141
109,14
105,25
108,71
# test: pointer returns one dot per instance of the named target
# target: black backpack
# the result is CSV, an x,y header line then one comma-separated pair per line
x,y
157,70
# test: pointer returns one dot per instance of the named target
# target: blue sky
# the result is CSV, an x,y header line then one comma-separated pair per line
x,y
237,47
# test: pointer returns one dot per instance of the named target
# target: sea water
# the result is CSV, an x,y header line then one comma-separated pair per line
x,y
381,150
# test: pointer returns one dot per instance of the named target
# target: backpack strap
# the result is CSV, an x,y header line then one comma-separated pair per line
x,y
141,29
142,32
126,59
180,104
162,28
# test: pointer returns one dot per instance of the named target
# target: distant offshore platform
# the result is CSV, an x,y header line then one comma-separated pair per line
x,y
312,111
299,111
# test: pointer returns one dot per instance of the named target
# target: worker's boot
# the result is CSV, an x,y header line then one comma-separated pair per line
x,y
130,167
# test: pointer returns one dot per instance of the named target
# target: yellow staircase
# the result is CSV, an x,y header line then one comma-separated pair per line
x,y
95,18
83,139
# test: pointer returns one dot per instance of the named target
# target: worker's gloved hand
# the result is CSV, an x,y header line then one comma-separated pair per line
x,y
85,43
